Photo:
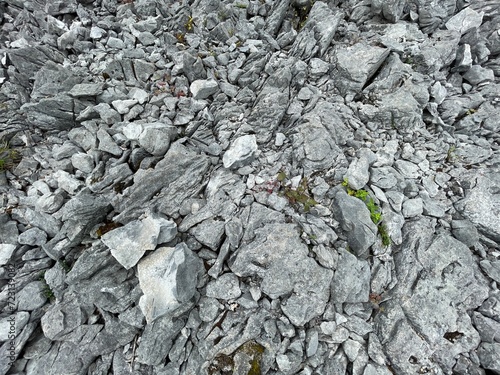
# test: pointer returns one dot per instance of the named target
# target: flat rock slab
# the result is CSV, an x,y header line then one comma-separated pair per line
x,y
482,205
280,258
176,177
429,322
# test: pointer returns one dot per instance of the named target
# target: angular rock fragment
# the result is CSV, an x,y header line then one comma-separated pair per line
x,y
318,31
356,65
482,205
241,152
351,282
129,243
465,20
355,220
175,178
202,89
168,279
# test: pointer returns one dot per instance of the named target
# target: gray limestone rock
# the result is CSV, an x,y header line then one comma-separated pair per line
x,y
488,356
55,113
129,243
271,105
465,20
482,204
488,329
32,237
354,218
241,152
358,173
156,137
465,231
226,287
315,147
166,291
317,33
442,271
6,251
356,65
280,259
209,232
86,89
31,297
202,89
174,178
492,269
351,282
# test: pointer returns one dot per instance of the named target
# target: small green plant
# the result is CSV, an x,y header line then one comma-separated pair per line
x,y
298,196
375,211
241,6
189,24
65,266
8,156
46,291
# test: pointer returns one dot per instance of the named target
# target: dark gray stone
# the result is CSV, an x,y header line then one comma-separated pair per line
x,y
174,178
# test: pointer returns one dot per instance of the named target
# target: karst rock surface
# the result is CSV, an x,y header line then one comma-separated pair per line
x,y
249,187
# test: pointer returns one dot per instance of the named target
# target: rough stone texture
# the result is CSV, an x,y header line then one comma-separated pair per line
x,y
355,220
216,135
241,152
165,292
280,259
482,205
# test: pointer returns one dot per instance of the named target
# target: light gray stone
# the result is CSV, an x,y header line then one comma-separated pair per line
x,y
492,269
32,237
465,20
351,282
129,243
106,143
175,178
31,297
279,257
241,152
13,325
156,137
488,356
6,251
358,173
413,207
317,33
225,287
465,231
477,74
209,233
83,162
355,65
202,89
86,89
165,292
